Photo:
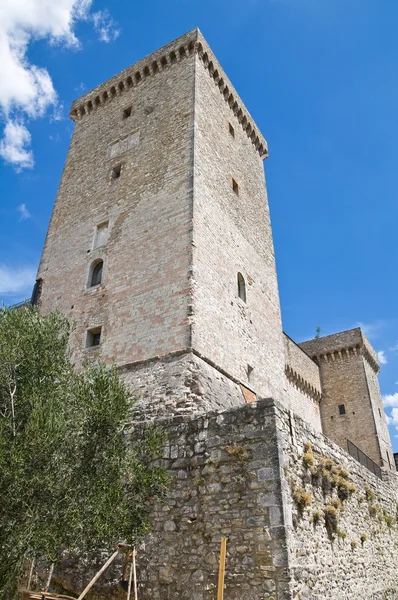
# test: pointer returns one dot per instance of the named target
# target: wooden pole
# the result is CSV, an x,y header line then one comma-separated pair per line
x,y
98,575
221,571
135,575
32,566
49,577
130,578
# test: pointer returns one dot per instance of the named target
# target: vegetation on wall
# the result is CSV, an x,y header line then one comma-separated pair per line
x,y
70,479
322,490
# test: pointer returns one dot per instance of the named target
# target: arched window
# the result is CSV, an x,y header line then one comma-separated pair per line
x,y
96,273
241,287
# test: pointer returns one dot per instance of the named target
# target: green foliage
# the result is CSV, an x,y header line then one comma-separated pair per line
x,y
363,538
70,479
317,332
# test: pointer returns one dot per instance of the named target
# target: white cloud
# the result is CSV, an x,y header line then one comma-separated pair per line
x,y
390,400
23,211
371,330
16,280
15,146
393,419
381,355
105,26
26,90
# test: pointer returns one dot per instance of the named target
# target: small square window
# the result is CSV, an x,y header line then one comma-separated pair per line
x,y
341,409
116,172
101,235
231,130
127,112
235,186
93,337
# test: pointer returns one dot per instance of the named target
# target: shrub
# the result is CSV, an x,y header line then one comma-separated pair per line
x,y
354,544
343,473
302,498
308,447
308,459
373,510
363,538
239,452
328,464
389,520
331,519
370,495
316,517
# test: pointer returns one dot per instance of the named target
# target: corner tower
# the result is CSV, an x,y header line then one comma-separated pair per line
x,y
351,405
160,246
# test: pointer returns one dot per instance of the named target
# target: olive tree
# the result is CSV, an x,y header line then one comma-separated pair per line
x,y
70,478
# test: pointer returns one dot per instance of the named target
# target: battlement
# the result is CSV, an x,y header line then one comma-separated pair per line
x,y
301,370
340,346
192,43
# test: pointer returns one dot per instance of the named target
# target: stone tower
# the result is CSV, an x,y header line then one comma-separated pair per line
x,y
160,245
352,408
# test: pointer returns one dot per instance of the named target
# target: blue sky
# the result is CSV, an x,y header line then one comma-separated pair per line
x,y
320,78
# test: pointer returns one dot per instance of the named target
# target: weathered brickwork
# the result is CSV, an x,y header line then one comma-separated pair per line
x,y
348,369
238,474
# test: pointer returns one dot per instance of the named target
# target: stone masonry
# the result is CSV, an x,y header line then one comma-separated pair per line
x,y
241,473
348,370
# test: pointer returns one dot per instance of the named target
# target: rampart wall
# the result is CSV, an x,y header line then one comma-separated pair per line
x,y
247,474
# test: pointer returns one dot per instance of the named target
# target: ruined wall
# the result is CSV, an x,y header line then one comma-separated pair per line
x,y
303,385
242,474
348,368
232,234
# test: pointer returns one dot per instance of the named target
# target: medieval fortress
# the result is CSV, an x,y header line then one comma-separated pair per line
x,y
160,249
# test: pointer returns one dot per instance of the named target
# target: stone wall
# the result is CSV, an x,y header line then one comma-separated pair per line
x,y
303,385
232,234
143,301
356,557
180,383
246,474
